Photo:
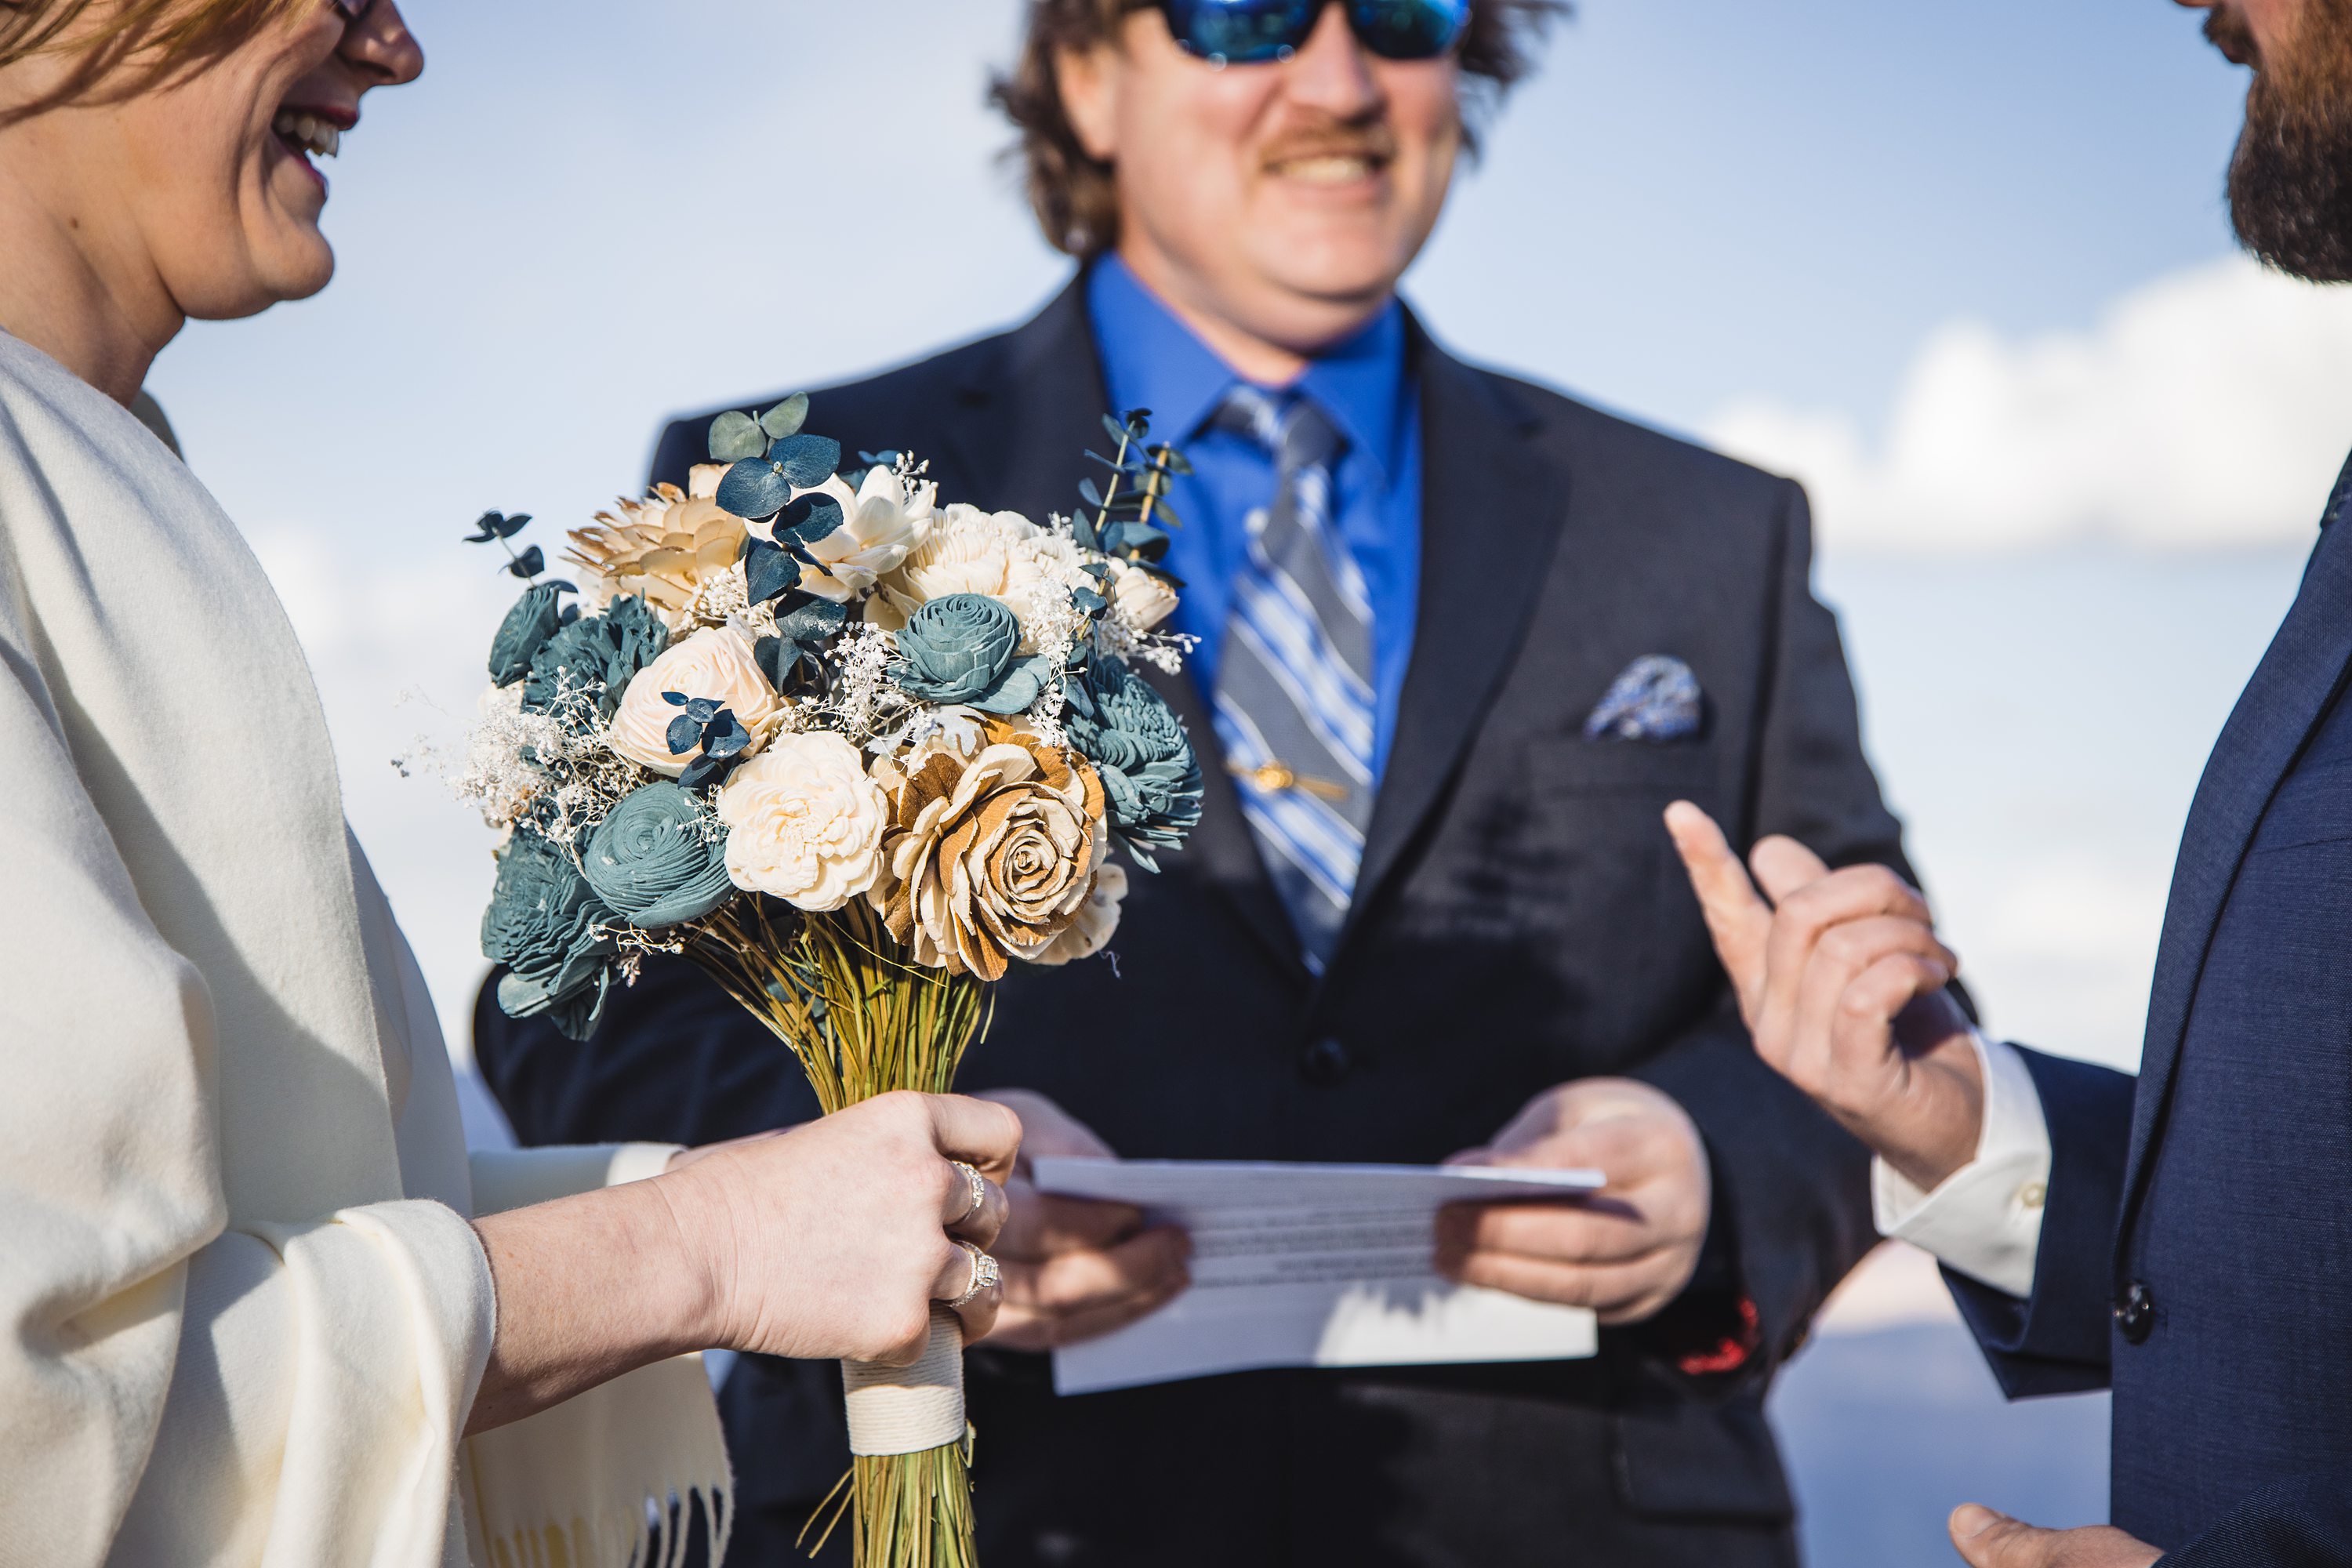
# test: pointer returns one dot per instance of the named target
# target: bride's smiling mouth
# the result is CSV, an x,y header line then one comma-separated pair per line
x,y
307,132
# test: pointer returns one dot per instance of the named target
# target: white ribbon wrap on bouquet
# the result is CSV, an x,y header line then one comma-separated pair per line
x,y
909,1409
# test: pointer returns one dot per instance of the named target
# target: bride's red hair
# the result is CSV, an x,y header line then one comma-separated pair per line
x,y
142,42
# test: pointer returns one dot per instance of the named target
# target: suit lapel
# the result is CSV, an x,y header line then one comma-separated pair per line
x,y
1490,516
1024,414
2290,693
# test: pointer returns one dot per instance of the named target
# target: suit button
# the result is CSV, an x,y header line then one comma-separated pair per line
x,y
2135,1313
1325,1062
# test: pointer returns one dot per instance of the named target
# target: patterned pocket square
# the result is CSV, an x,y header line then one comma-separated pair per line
x,y
1657,698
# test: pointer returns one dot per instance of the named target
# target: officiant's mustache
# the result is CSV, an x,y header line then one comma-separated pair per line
x,y
2291,179
1370,142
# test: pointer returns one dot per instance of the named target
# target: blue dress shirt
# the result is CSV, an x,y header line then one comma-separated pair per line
x,y
1151,359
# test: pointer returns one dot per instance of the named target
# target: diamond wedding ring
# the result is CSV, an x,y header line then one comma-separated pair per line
x,y
984,1275
975,1186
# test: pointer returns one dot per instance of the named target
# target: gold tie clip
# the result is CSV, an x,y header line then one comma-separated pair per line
x,y
1275,777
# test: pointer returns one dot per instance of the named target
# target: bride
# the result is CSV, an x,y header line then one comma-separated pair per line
x,y
256,1303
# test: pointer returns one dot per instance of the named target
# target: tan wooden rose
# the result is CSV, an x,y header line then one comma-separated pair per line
x,y
675,547
990,857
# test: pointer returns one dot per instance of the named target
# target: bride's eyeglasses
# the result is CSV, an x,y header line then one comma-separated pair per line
x,y
1254,32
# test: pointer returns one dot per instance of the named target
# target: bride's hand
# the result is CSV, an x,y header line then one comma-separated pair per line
x,y
832,1239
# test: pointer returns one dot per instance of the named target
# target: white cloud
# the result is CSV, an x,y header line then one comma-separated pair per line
x,y
2209,407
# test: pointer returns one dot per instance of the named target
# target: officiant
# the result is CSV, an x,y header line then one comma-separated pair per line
x,y
1461,638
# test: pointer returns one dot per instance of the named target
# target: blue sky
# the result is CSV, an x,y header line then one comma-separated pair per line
x,y
1915,253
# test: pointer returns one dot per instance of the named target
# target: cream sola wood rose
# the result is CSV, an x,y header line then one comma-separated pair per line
x,y
853,754
805,823
718,665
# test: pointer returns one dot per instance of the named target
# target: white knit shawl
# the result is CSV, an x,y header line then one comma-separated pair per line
x,y
242,1313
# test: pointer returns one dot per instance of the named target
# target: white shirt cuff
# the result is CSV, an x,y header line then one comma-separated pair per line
x,y
1985,1220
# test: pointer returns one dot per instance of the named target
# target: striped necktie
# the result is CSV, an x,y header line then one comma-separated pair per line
x,y
1294,703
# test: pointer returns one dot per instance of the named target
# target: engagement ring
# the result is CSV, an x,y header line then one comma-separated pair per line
x,y
975,1186
984,1276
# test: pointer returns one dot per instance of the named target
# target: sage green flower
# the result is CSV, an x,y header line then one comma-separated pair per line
x,y
549,928
1151,780
536,617
963,649
598,652
654,861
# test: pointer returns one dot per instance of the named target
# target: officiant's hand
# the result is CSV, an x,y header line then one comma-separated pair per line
x,y
1624,1251
1842,982
1074,1271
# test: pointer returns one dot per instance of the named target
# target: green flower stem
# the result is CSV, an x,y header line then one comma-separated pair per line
x,y
862,1018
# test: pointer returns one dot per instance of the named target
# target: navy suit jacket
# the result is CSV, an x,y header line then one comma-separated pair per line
x,y
2197,1247
1520,922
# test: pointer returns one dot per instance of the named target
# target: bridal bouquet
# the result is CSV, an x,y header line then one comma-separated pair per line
x,y
854,753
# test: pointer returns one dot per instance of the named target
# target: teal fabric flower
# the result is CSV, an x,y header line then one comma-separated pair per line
x,y
965,648
652,860
547,926
1151,780
536,617
597,650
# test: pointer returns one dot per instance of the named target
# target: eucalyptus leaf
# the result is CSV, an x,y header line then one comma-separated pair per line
x,y
528,564
1119,432
780,659
810,622
786,417
769,570
1089,601
705,770
1175,461
724,735
682,735
1083,530
734,436
805,460
1141,539
1088,493
1167,513
823,517
753,487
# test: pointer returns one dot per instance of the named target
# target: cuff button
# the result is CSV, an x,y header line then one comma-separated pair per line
x,y
2033,1195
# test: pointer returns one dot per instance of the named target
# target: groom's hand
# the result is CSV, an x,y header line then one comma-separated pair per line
x,y
1990,1540
1624,1251
1074,1271
1842,981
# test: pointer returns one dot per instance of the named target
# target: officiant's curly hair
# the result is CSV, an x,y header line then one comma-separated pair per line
x,y
146,41
1074,194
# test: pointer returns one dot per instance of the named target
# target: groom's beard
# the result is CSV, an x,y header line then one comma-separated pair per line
x,y
2291,181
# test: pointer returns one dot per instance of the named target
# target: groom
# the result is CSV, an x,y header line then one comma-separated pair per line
x,y
2185,1239
1426,913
